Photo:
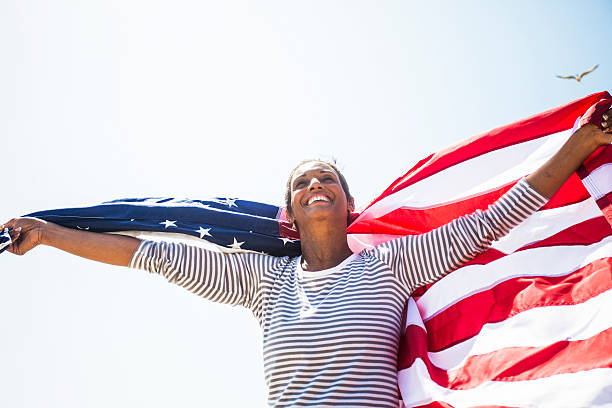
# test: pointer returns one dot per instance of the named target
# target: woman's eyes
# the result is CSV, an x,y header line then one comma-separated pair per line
x,y
302,183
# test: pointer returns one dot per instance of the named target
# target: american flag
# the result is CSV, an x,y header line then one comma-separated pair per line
x,y
230,224
525,324
528,322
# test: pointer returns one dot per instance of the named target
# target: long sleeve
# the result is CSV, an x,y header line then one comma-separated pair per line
x,y
421,259
233,278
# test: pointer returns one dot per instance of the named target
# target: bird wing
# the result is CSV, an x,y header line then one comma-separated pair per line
x,y
590,70
566,76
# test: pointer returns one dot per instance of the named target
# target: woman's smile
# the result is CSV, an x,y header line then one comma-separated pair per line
x,y
317,199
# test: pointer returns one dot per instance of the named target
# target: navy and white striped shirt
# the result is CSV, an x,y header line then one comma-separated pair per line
x,y
331,337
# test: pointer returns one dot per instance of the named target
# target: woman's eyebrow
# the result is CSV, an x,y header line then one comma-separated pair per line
x,y
297,178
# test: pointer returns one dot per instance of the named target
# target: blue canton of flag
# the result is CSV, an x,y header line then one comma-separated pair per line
x,y
227,222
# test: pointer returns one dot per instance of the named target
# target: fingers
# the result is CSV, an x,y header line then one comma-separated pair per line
x,y
15,246
14,232
9,224
594,115
606,123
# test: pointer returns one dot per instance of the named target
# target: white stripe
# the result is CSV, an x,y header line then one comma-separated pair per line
x,y
599,181
576,124
471,279
412,315
472,177
533,328
591,388
546,223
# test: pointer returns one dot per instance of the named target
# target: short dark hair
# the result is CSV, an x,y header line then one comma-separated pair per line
x,y
333,165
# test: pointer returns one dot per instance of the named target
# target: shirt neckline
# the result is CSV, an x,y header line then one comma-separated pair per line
x,y
324,272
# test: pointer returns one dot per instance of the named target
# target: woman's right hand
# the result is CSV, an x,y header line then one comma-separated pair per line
x,y
26,233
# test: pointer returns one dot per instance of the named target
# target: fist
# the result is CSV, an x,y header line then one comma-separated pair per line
x,y
26,233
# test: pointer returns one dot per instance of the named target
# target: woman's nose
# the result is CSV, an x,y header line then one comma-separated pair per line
x,y
314,184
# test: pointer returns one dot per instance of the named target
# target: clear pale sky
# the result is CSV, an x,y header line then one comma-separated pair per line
x,y
109,99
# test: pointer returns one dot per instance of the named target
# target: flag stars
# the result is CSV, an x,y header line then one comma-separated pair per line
x,y
236,244
230,202
285,240
169,223
204,232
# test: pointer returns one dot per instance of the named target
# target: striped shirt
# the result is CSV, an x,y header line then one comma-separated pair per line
x,y
331,337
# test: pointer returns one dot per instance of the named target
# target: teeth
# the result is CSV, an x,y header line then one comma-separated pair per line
x,y
317,198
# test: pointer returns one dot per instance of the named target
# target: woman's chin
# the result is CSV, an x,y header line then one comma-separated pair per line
x,y
324,213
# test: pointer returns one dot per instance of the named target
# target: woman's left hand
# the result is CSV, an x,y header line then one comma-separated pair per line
x,y
606,123
600,136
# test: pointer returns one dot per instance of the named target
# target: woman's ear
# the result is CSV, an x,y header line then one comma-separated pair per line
x,y
292,221
290,217
351,204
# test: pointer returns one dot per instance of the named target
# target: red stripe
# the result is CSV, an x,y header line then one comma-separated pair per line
x,y
406,221
571,192
530,363
605,204
598,158
436,404
543,124
518,363
585,233
286,230
486,257
514,296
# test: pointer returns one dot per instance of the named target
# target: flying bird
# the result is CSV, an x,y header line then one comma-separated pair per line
x,y
578,77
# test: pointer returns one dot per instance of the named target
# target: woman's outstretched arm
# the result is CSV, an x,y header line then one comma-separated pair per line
x,y
425,258
233,278
27,233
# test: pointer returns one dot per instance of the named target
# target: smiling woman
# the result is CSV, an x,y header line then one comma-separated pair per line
x,y
333,166
319,205
331,319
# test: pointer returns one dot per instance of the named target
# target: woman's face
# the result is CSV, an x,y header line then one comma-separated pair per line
x,y
316,194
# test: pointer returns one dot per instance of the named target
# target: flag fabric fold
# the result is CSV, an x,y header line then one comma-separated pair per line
x,y
526,323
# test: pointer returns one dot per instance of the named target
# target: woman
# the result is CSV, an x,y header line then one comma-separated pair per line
x,y
331,319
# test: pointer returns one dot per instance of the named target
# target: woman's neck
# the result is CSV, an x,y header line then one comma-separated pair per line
x,y
323,246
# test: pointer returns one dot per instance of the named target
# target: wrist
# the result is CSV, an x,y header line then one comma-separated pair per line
x,y
45,232
589,136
